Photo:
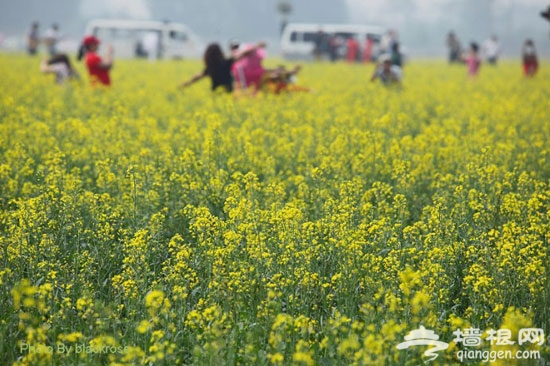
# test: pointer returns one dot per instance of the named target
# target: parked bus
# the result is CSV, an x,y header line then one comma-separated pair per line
x,y
298,39
153,39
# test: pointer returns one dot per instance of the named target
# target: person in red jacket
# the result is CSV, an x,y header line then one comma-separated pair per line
x,y
98,68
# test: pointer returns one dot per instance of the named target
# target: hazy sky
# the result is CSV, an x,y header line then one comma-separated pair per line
x,y
430,9
421,24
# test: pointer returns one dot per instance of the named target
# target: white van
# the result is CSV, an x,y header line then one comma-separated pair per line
x,y
298,39
152,39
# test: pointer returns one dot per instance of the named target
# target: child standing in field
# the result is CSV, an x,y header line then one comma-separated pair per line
x,y
98,68
491,50
218,68
530,60
387,73
472,60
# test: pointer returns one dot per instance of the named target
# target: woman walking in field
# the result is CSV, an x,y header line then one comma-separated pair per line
x,y
530,60
218,68
248,71
33,39
98,68
455,48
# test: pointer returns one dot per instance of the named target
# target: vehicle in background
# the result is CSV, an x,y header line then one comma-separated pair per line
x,y
142,38
298,39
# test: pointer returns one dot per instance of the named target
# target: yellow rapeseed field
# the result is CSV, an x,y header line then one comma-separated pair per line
x,y
144,225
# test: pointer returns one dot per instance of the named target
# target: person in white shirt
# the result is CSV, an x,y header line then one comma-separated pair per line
x,y
151,45
491,50
50,39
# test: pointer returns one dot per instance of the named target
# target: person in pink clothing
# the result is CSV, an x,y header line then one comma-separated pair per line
x,y
367,51
249,71
472,60
352,49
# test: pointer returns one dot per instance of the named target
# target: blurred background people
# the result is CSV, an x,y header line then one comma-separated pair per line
x,y
51,37
455,48
98,68
60,66
529,58
491,50
33,39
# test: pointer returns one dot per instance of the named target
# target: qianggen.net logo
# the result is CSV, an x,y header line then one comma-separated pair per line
x,y
472,338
